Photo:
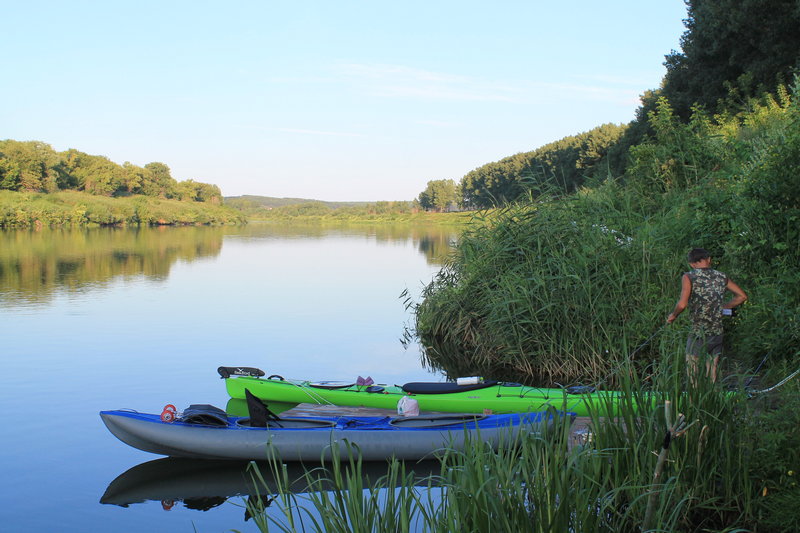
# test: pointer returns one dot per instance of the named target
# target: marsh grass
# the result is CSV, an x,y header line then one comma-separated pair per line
x,y
542,294
337,495
546,482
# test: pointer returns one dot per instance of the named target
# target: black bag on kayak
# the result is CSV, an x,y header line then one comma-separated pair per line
x,y
205,414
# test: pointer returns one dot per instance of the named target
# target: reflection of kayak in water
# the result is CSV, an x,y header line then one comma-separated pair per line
x,y
200,485
203,484
499,397
214,435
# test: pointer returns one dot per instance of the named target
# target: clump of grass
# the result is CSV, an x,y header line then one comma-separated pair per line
x,y
338,495
546,294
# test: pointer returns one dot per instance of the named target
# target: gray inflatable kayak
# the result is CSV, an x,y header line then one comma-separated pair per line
x,y
316,438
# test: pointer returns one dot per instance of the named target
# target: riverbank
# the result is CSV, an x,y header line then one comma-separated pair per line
x,y
76,209
462,218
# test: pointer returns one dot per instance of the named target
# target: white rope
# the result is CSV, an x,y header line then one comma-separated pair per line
x,y
780,383
319,399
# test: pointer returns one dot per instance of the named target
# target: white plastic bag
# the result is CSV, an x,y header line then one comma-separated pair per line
x,y
408,406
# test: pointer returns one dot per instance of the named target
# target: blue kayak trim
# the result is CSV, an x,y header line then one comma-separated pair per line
x,y
362,423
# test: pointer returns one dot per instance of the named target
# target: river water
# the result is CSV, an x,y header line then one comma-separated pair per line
x,y
101,319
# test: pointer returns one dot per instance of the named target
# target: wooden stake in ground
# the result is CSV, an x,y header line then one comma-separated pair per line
x,y
673,432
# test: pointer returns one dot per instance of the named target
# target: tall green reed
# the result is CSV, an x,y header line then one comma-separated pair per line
x,y
545,294
707,481
340,495
547,482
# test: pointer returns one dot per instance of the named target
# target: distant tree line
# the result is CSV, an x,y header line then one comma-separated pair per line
x,y
33,166
319,209
732,52
254,203
561,167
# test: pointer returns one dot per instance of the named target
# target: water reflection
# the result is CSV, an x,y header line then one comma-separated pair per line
x,y
34,265
203,485
433,242
436,248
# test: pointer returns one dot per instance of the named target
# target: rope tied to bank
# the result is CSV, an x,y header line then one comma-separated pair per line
x,y
779,384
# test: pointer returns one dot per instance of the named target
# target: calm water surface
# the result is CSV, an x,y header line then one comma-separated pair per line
x,y
110,318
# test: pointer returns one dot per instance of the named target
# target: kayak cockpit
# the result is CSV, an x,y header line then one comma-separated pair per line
x,y
289,423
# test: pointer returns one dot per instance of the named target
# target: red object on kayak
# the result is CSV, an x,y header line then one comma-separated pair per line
x,y
169,412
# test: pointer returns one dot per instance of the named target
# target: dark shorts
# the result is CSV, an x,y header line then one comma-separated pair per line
x,y
698,346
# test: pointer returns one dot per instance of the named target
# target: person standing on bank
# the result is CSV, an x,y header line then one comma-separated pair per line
x,y
702,291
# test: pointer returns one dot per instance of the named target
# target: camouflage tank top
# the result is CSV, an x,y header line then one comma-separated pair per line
x,y
705,302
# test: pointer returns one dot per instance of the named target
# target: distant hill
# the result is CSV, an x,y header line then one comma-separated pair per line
x,y
248,201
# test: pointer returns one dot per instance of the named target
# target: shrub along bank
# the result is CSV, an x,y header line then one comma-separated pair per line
x,y
71,208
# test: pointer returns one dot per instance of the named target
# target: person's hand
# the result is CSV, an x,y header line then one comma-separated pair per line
x,y
671,318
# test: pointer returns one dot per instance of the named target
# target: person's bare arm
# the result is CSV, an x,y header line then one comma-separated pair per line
x,y
739,297
683,301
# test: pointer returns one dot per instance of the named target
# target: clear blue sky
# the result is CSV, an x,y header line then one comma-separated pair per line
x,y
333,100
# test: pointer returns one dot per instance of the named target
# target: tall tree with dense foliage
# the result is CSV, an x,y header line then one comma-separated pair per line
x,y
744,46
731,52
161,183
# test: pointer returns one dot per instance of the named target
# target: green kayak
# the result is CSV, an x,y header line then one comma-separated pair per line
x,y
498,397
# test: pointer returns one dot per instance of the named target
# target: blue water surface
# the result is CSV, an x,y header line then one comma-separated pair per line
x,y
109,318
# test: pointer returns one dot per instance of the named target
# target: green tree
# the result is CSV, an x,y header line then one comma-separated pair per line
x,y
92,173
133,178
209,193
99,175
9,174
31,166
737,48
439,195
194,191
159,182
